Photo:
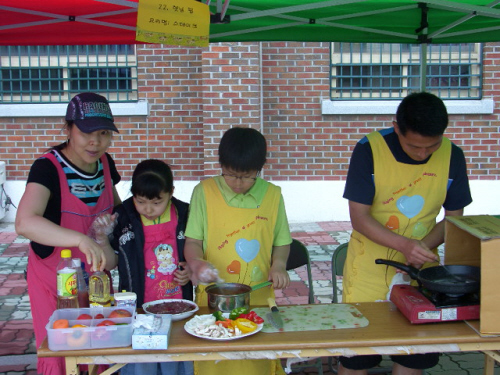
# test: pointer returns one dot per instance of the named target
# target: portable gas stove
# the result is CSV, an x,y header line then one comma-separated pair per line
x,y
423,306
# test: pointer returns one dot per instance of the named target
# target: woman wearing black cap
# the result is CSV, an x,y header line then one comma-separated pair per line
x,y
67,188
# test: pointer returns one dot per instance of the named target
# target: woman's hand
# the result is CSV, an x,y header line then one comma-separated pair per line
x,y
93,252
102,227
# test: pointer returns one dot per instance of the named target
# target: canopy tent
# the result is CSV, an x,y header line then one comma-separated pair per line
x,y
87,22
63,22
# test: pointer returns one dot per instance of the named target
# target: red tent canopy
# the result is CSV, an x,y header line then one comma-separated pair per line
x,y
71,22
60,22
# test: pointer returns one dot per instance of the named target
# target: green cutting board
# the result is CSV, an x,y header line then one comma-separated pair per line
x,y
315,317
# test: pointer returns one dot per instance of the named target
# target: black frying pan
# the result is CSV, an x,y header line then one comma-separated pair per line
x,y
442,279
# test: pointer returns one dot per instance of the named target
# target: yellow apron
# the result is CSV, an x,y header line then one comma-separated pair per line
x,y
407,200
239,245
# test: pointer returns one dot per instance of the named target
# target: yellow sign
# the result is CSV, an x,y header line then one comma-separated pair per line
x,y
174,22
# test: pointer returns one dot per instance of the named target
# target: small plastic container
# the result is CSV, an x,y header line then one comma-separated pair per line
x,y
126,299
96,334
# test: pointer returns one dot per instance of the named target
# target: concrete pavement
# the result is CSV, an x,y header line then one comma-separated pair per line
x,y
17,348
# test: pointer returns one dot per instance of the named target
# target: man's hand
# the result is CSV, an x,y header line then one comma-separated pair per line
x,y
417,253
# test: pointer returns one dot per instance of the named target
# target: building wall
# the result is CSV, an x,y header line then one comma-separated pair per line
x,y
195,94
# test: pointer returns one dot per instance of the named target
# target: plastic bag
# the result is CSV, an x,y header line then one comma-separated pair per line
x,y
102,226
398,279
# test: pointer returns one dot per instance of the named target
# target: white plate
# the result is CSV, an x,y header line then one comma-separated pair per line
x,y
188,329
175,317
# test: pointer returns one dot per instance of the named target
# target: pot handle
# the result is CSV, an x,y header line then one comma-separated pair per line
x,y
261,285
410,270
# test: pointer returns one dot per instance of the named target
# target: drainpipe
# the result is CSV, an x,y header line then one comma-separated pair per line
x,y
261,95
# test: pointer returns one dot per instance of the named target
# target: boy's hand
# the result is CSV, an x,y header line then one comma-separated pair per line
x,y
204,272
279,277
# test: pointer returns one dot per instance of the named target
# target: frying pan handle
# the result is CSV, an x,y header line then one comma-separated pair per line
x,y
410,270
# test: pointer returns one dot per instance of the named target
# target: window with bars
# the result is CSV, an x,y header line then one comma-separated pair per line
x,y
52,74
370,71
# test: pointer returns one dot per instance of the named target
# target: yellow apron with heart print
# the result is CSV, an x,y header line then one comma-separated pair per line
x,y
408,198
239,245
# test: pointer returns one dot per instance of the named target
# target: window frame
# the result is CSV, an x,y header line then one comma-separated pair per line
x,y
383,56
68,61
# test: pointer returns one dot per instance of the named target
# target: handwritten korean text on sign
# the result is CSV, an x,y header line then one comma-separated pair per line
x,y
174,22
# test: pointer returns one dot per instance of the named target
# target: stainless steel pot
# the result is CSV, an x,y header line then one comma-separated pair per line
x,y
226,297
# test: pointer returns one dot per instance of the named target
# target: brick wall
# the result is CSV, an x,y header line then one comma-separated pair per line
x,y
196,94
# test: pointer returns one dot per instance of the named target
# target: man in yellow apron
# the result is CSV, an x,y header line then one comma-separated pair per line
x,y
238,231
398,180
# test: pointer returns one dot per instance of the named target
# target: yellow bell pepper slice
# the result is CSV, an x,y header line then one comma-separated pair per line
x,y
245,325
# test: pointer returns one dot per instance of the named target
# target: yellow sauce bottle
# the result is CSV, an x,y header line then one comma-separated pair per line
x,y
67,293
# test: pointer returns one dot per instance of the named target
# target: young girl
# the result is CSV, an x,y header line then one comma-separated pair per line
x,y
238,231
67,189
149,239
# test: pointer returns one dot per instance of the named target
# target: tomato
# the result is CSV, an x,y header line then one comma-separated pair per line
x,y
245,325
258,320
120,313
106,323
84,317
61,323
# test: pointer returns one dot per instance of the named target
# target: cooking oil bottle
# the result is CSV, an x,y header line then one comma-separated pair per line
x,y
67,292
99,289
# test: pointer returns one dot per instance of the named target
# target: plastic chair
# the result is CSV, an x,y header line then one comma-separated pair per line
x,y
338,260
299,256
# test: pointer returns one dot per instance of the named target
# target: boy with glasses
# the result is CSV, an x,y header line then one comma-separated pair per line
x,y
238,232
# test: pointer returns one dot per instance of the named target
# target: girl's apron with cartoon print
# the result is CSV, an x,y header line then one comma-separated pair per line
x,y
161,260
240,247
410,210
75,215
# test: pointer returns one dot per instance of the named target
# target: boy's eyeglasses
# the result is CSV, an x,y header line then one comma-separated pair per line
x,y
230,177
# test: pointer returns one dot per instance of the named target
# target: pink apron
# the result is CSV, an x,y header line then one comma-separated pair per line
x,y
42,291
161,260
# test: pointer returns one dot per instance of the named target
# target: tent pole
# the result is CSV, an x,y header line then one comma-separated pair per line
x,y
422,33
423,66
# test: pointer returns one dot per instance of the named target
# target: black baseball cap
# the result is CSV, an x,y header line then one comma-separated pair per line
x,y
90,112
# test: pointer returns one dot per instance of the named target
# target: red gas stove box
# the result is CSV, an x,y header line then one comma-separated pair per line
x,y
417,308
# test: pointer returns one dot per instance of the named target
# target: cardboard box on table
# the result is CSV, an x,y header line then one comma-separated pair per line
x,y
475,241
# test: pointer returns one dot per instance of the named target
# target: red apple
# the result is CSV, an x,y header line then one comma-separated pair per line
x,y
120,313
99,316
84,317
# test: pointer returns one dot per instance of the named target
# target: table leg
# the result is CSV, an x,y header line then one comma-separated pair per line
x,y
71,366
111,370
490,358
